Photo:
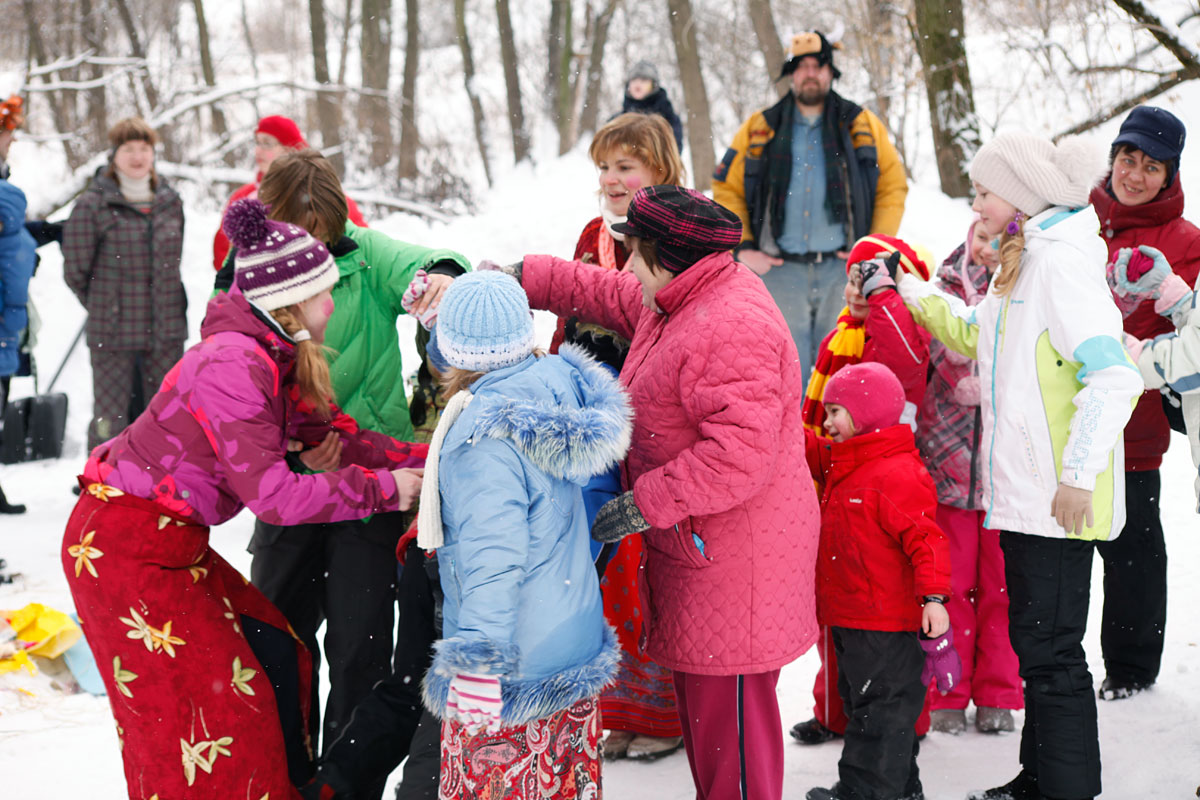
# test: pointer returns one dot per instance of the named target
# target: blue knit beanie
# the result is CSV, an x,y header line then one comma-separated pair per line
x,y
484,322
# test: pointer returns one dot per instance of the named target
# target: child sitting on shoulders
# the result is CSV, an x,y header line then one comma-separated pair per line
x,y
883,576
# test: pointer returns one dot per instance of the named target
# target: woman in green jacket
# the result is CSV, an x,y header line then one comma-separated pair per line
x,y
344,574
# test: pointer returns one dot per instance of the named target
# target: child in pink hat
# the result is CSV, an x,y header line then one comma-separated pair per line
x,y
883,576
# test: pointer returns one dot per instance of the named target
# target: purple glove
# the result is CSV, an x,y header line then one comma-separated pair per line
x,y
941,661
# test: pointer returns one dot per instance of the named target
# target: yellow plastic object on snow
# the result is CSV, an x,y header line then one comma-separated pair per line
x,y
53,630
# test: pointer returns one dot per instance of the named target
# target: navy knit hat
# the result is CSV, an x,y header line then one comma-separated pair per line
x,y
484,322
1156,132
685,224
276,264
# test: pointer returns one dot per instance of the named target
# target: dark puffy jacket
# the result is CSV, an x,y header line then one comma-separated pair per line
x,y
657,102
1159,224
123,265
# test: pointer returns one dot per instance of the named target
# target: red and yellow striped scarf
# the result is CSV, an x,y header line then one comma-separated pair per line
x,y
843,346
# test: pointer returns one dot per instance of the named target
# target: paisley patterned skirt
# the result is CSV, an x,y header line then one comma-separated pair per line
x,y
196,715
554,757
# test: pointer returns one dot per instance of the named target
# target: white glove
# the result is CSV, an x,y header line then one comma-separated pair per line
x,y
474,701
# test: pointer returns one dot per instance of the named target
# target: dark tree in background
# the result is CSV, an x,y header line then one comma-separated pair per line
x,y
328,113
512,83
939,28
695,96
376,36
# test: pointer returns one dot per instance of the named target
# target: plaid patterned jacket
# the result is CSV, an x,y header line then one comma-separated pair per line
x,y
123,265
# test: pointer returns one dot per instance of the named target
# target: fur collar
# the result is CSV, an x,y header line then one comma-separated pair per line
x,y
573,444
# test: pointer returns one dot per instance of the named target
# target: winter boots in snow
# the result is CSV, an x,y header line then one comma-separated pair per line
x,y
948,720
812,732
626,744
9,508
1022,787
993,720
837,792
1118,689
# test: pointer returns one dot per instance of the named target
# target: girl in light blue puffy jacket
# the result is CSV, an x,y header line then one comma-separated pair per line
x,y
526,651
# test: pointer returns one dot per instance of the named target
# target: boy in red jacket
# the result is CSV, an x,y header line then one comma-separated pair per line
x,y
883,574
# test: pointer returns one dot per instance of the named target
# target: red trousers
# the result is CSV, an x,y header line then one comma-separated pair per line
x,y
978,608
732,734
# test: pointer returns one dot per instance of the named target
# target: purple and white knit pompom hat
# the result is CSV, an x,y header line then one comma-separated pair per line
x,y
277,264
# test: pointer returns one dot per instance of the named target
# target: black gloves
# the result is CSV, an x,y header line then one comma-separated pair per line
x,y
618,518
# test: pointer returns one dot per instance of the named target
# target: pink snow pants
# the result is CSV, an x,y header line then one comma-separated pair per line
x,y
978,609
732,734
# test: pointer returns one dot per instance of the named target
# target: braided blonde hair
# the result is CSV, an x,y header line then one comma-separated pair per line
x,y
312,369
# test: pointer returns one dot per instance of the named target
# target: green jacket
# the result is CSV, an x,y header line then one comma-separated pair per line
x,y
365,366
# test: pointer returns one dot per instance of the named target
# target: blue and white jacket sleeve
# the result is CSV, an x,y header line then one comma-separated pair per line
x,y
1085,327
491,537
1173,359
951,321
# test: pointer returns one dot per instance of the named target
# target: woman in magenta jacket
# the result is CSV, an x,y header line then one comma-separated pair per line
x,y
1141,203
716,474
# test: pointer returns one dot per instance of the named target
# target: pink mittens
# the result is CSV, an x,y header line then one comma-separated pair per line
x,y
941,661
413,294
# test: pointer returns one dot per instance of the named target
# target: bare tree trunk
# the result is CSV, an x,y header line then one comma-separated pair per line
x,y
512,82
589,115
695,96
559,9
767,34
328,114
410,140
948,86
376,68
62,115
97,107
464,46
210,77
560,76
344,47
252,50
135,45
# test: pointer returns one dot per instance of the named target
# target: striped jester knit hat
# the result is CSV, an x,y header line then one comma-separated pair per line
x,y
914,260
277,264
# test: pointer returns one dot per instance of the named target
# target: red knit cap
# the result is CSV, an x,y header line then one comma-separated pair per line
x,y
283,129
879,245
870,392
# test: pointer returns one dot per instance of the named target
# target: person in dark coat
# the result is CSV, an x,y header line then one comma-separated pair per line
x,y
644,95
122,246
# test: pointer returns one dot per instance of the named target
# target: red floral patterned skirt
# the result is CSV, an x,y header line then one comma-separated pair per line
x,y
554,757
195,713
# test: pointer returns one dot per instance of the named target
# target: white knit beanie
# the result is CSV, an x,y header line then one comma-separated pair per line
x,y
1033,173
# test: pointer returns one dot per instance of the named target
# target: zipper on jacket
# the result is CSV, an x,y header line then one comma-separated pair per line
x,y
1001,329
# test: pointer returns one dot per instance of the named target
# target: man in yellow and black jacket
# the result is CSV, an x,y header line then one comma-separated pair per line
x,y
808,177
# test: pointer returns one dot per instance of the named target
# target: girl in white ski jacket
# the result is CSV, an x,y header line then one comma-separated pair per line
x,y
1057,389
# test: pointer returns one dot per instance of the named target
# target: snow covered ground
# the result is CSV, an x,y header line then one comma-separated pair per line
x,y
61,746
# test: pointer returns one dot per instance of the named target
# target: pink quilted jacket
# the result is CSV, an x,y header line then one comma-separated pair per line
x,y
717,462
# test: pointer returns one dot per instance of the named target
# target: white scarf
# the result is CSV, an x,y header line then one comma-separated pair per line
x,y
429,513
611,219
135,190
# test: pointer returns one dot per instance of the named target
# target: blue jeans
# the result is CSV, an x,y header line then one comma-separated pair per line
x,y
810,297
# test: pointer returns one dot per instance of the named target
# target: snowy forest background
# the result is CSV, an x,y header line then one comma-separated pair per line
x,y
423,103
382,87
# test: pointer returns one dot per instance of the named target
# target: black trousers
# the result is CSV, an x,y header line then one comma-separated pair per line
x,y
1049,585
390,724
879,680
1135,586
342,574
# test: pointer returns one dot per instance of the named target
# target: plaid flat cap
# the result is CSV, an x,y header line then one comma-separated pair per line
x,y
686,225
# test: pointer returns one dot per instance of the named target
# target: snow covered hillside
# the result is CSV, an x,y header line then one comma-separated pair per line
x,y
57,746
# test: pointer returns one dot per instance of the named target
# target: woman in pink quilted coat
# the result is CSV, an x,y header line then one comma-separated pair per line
x,y
208,685
715,476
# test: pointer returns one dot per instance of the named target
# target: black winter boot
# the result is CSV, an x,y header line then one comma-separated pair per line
x,y
1022,787
812,732
9,508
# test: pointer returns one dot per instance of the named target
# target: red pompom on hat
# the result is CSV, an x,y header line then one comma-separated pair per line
x,y
283,129
870,392
879,245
